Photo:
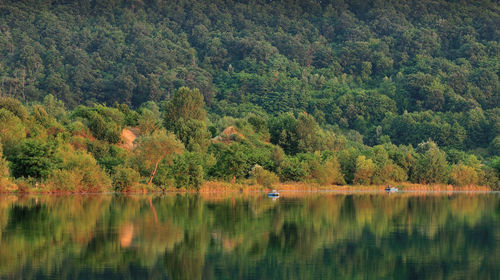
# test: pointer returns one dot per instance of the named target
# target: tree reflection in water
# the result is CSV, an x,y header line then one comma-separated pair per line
x,y
299,236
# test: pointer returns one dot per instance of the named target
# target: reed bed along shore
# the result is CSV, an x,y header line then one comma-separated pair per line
x,y
249,187
301,186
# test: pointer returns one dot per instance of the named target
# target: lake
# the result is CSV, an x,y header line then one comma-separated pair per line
x,y
323,235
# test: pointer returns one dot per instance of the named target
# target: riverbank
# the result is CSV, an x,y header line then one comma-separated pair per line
x,y
247,187
300,186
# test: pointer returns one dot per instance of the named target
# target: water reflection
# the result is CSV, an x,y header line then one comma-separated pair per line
x,y
298,236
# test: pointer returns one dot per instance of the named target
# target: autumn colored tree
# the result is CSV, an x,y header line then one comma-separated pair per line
x,y
158,146
365,168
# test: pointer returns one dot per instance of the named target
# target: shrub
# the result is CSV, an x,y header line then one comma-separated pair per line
x,y
4,172
326,172
365,169
105,123
431,166
263,177
347,159
79,172
12,129
232,161
125,178
15,106
495,164
462,175
188,170
489,177
291,169
35,159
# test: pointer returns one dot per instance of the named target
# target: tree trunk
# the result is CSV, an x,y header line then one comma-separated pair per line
x,y
154,172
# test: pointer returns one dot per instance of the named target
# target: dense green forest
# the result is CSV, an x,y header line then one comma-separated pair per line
x,y
334,92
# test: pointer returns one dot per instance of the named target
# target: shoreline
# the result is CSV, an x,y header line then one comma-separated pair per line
x,y
216,187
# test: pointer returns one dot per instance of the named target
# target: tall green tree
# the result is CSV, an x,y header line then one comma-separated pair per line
x,y
431,165
185,115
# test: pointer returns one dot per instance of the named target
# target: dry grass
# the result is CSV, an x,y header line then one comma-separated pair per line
x,y
246,188
301,186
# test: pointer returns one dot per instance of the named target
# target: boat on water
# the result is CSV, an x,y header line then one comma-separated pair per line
x,y
391,189
274,193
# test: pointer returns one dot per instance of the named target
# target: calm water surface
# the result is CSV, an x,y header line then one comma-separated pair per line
x,y
298,236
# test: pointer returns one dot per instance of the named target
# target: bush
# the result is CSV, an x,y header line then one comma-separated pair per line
x,y
488,177
232,161
495,164
325,172
125,178
15,106
463,175
365,168
105,123
79,172
431,166
35,159
264,177
188,170
291,169
4,172
12,129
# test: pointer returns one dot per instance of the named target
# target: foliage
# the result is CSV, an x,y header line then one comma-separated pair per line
x,y
301,135
186,117
35,159
263,177
160,145
347,80
496,165
188,171
355,66
365,169
462,175
292,169
231,161
125,178
105,123
148,122
78,172
108,156
12,130
14,106
431,166
4,171
324,169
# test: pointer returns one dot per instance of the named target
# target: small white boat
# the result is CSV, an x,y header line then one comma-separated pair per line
x,y
391,189
274,193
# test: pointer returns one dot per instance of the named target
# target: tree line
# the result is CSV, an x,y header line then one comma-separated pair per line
x,y
176,143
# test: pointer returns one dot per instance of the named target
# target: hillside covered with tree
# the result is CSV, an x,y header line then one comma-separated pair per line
x,y
376,90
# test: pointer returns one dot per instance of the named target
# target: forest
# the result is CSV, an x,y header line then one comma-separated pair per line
x,y
113,95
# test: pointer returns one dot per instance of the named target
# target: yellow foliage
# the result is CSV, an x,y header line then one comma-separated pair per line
x,y
365,168
462,175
